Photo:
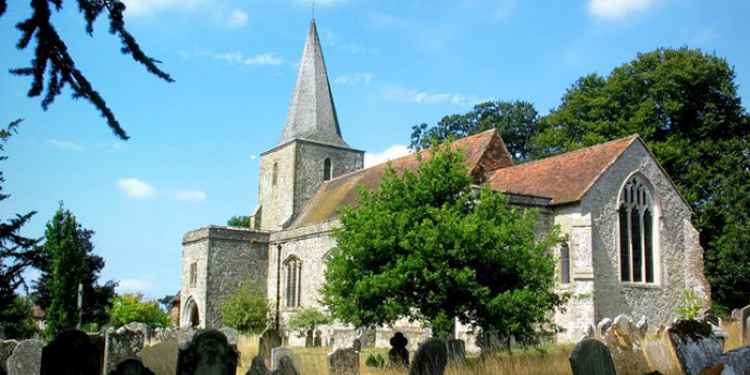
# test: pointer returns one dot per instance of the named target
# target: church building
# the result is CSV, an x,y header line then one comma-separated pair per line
x,y
630,246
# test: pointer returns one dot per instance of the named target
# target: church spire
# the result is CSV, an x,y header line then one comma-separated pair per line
x,y
312,114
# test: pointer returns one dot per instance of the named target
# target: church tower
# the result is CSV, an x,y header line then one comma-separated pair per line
x,y
311,149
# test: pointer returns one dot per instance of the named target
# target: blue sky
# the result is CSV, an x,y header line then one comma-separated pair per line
x,y
192,157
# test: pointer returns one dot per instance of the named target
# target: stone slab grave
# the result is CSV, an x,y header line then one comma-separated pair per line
x,y
623,339
26,358
398,356
121,344
736,361
430,359
695,345
209,353
660,355
6,349
591,356
343,362
71,353
131,366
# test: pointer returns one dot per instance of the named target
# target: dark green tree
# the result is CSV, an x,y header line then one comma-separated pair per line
x,y
516,121
52,58
239,221
427,246
684,104
17,253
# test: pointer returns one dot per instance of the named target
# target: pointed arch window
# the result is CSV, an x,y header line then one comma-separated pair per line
x,y
565,263
293,279
636,226
274,173
327,169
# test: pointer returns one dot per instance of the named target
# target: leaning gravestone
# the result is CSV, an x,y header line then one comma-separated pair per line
x,y
268,340
343,362
695,345
430,359
121,344
71,353
398,356
590,356
26,358
208,354
6,349
131,366
456,351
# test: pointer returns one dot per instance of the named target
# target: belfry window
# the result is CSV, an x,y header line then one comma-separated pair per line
x,y
636,227
327,169
275,174
565,263
293,278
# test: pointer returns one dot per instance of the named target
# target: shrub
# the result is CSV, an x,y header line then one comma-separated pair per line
x,y
246,309
306,320
691,305
376,361
131,307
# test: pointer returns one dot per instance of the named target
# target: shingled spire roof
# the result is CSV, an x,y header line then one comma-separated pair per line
x,y
312,114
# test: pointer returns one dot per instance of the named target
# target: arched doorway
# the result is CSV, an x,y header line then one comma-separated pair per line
x,y
191,315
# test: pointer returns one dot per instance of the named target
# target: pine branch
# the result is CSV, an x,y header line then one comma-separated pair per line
x,y
3,7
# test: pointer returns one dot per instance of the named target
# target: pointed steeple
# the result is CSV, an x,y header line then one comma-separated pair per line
x,y
312,114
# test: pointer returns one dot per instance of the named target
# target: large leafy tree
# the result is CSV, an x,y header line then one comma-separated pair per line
x,y
17,253
53,60
427,246
516,121
684,104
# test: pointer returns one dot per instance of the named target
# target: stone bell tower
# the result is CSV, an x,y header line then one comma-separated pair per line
x,y
311,149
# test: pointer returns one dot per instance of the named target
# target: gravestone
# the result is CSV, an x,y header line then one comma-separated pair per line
x,y
357,345
318,340
660,356
738,360
6,349
623,340
309,338
398,356
71,353
430,359
695,345
121,344
185,337
131,366
744,318
591,357
642,327
456,351
268,340
343,362
26,358
603,326
258,367
231,334
286,367
208,354
277,354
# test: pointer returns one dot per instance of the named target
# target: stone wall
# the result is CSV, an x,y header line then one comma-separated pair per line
x,y
276,200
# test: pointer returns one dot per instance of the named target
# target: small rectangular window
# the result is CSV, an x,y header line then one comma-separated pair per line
x,y
193,274
565,264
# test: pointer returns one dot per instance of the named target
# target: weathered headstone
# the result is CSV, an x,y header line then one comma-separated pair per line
x,y
695,345
591,357
57,355
131,366
357,345
430,359
286,367
737,360
6,349
343,362
318,340
398,356
26,358
623,340
456,351
277,354
744,318
268,340
659,354
603,326
208,354
121,344
258,367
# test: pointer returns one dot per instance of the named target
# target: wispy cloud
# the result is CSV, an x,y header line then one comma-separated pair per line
x,y
191,195
333,40
392,152
237,57
135,285
150,7
65,145
354,79
135,188
268,58
237,18
407,95
618,9
216,10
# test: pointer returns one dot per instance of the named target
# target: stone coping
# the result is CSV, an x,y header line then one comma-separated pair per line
x,y
225,233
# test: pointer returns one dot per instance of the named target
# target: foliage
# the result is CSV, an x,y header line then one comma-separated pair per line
x,y
17,253
96,298
51,55
246,309
239,221
306,320
690,305
427,246
516,121
376,361
17,321
131,307
684,105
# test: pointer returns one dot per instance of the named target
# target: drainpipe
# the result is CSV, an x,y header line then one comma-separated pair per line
x,y
278,284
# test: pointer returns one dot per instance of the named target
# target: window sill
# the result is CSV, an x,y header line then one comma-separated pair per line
x,y
629,284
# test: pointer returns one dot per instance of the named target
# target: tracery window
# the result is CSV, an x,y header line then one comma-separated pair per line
x,y
293,271
327,169
565,263
636,223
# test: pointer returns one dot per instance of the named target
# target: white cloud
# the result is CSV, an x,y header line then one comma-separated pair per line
x,y
253,156
237,57
149,7
618,9
64,145
393,152
191,195
401,94
354,79
268,58
133,285
237,18
135,188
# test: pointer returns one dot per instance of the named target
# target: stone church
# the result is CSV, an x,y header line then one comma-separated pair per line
x,y
630,245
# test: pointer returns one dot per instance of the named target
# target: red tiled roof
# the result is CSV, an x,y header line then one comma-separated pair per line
x,y
563,178
483,152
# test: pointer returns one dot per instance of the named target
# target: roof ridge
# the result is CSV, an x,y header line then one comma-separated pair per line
x,y
576,151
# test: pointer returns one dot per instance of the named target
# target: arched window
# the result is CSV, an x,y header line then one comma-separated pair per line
x,y
275,174
293,277
327,169
636,223
565,263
